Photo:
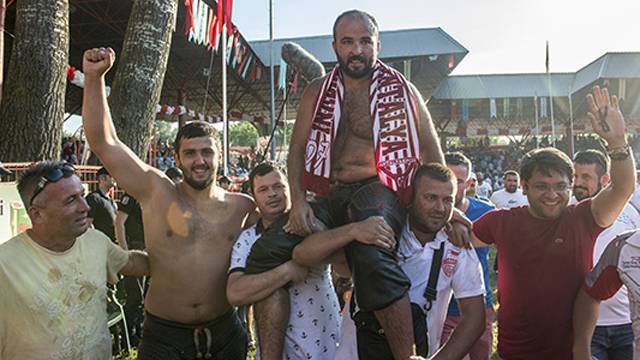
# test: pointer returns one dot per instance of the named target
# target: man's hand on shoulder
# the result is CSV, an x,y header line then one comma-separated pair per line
x,y
459,229
97,62
374,231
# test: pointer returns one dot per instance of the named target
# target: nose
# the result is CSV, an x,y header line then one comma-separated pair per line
x,y
84,206
439,205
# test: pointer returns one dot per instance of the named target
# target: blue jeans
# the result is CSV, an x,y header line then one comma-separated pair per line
x,y
613,342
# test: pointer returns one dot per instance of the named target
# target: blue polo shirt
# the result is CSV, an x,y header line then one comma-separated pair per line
x,y
476,209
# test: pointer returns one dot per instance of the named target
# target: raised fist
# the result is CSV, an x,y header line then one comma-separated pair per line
x,y
96,62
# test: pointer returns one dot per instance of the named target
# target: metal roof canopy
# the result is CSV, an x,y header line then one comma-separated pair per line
x,y
483,86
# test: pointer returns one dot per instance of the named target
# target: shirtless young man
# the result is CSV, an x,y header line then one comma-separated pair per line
x,y
350,151
189,231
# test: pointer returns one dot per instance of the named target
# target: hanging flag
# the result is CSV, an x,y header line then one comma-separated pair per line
x,y
454,110
219,16
465,110
203,22
228,7
211,29
505,107
207,40
228,45
452,62
246,67
282,84
188,22
543,107
493,110
546,59
195,9
622,89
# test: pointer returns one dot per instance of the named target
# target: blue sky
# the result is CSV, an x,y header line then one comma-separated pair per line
x,y
502,36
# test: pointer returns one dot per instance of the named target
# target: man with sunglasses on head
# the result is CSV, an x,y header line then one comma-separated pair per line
x,y
54,275
546,249
189,228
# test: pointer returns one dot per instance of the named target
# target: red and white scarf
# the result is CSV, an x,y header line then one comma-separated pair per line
x,y
394,112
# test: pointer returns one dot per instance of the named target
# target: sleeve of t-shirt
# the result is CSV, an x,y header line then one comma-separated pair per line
x,y
240,251
604,280
494,199
92,204
127,204
467,280
117,258
485,227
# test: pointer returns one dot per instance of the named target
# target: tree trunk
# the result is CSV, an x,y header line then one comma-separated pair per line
x,y
142,65
32,108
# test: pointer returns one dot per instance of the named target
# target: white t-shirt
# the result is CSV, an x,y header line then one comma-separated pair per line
x,y
460,274
314,317
504,199
615,311
484,189
53,305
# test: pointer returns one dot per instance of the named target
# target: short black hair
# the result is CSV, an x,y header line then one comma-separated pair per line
x,y
458,158
32,176
355,13
435,171
510,172
192,130
592,156
546,160
261,170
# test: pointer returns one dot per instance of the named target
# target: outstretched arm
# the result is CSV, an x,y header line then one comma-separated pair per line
x,y
138,264
129,171
608,122
243,289
320,247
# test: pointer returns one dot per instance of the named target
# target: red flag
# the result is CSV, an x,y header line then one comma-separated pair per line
x,y
219,17
188,23
210,28
228,6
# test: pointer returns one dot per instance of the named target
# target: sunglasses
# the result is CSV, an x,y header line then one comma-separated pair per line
x,y
51,176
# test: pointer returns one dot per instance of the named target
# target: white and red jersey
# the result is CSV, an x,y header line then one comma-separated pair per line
x,y
619,265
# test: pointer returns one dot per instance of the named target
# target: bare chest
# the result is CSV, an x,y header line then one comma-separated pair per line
x,y
194,227
356,117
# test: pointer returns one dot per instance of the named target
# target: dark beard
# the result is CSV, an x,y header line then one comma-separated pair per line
x,y
198,185
358,74
580,197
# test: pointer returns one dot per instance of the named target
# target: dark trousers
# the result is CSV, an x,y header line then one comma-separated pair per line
x,y
373,344
221,339
378,280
